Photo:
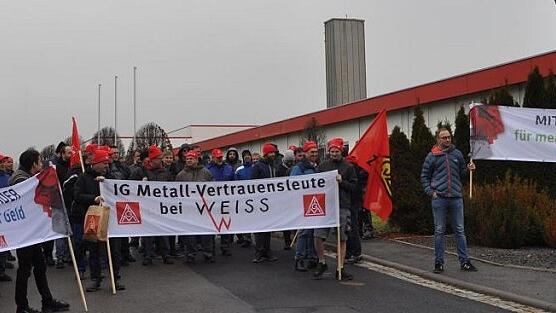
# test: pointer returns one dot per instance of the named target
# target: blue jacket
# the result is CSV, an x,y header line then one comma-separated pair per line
x,y
303,167
244,171
442,172
4,179
223,172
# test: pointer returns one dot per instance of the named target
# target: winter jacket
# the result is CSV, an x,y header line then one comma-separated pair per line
x,y
303,167
118,170
442,172
282,170
179,164
4,179
223,172
196,174
69,184
244,171
263,169
349,179
357,195
85,190
137,172
62,168
18,176
159,174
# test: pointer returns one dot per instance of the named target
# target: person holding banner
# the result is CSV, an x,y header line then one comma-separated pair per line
x,y
157,172
441,175
32,257
347,181
194,172
87,193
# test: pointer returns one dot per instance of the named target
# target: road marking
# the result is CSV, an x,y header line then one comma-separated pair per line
x,y
463,293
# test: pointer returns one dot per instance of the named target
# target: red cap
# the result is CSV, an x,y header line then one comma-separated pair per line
x,y
100,156
308,145
337,143
191,154
3,157
91,148
217,153
154,152
269,148
292,147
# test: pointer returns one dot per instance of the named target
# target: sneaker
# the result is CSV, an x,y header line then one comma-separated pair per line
x,y
321,268
94,286
368,234
55,306
167,260
130,258
312,264
260,259
209,258
468,267
300,266
226,252
5,277
271,258
27,310
245,244
354,259
438,268
119,286
147,262
345,275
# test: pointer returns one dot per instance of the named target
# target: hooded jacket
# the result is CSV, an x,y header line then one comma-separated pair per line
x,y
195,174
244,171
18,176
159,174
237,162
263,169
303,167
179,164
4,179
442,172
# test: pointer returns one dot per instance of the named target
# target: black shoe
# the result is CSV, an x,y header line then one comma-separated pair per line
x,y
167,260
50,261
27,310
9,265
81,275
147,262
124,262
287,245
438,268
130,258
60,264
368,235
209,258
245,243
189,258
300,266
5,277
260,259
55,306
312,264
11,258
468,267
119,286
354,259
271,258
345,275
321,268
226,252
94,286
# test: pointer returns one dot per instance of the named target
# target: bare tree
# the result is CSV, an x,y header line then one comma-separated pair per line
x,y
149,134
107,139
315,132
48,152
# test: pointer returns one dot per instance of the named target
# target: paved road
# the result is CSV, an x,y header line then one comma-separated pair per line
x,y
234,284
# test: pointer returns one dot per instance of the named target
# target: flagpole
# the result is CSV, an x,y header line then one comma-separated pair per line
x,y
294,238
338,254
98,116
471,182
81,161
77,275
115,110
134,106
112,280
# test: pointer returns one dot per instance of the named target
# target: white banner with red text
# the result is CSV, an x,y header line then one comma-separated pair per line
x,y
145,208
32,212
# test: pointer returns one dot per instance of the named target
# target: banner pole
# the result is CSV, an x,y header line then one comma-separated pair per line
x,y
294,238
77,275
81,162
338,254
471,182
112,280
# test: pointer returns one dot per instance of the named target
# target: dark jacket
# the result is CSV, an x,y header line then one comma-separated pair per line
x,y
118,170
235,163
198,173
263,169
85,190
69,184
179,164
282,170
357,195
349,179
244,171
137,172
62,168
18,176
303,167
4,179
223,172
159,174
442,172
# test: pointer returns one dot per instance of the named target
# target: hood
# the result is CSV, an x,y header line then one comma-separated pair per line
x,y
234,150
436,150
180,152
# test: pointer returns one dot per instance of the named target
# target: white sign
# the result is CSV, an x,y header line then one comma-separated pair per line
x,y
30,211
142,208
511,133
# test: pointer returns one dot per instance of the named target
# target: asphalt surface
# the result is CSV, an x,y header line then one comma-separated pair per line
x,y
234,284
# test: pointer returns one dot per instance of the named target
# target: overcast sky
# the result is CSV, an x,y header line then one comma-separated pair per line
x,y
240,62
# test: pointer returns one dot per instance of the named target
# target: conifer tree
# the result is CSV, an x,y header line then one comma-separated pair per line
x,y
534,90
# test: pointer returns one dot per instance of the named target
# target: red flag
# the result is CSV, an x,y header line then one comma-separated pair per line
x,y
75,145
372,153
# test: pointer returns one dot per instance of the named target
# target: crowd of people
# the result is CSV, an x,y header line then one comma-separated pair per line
x,y
441,177
81,190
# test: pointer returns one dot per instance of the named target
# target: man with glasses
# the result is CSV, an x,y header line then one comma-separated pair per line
x,y
443,169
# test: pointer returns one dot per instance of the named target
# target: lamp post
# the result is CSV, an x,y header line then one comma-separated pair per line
x,y
98,115
115,110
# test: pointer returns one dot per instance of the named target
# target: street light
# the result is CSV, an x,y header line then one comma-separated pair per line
x,y
98,116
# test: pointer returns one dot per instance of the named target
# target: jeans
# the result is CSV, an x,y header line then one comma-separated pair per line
x,y
262,245
95,256
31,258
440,207
354,240
61,249
3,258
305,247
79,246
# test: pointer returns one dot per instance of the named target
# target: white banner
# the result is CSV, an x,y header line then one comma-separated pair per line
x,y
512,133
142,208
30,212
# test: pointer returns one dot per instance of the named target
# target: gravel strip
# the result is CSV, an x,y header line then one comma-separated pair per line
x,y
530,256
